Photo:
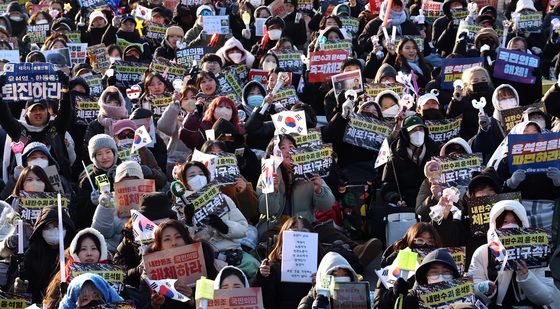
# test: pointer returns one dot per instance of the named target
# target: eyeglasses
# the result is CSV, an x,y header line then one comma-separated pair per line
x,y
125,135
421,242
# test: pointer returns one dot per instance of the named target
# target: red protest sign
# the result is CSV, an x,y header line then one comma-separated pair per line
x,y
181,262
324,64
249,298
260,76
277,8
129,192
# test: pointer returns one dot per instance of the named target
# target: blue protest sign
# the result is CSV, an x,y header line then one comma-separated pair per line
x,y
30,81
452,69
534,153
515,66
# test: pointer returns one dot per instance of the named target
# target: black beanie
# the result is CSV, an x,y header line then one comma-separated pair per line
x,y
157,206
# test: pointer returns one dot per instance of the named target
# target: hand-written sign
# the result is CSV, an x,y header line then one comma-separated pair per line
x,y
185,262
299,256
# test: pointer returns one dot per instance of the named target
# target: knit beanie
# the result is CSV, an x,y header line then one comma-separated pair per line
x,y
123,124
101,141
174,30
128,169
96,14
157,206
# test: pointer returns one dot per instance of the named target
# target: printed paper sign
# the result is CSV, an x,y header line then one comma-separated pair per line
x,y
30,81
235,299
95,85
453,69
457,253
98,58
372,90
306,162
513,116
31,203
532,245
169,70
515,66
534,153
351,295
92,3
155,31
86,109
312,138
128,194
347,81
260,76
216,24
54,178
38,33
290,61
324,64
277,8
186,56
457,170
443,130
432,10
479,211
10,300
439,295
77,53
158,103
59,57
230,85
185,262
206,201
286,97
113,274
531,22
222,166
350,24
299,256
366,132
10,55
128,73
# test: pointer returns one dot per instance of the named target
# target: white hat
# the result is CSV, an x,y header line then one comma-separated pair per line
x,y
128,169
96,14
425,98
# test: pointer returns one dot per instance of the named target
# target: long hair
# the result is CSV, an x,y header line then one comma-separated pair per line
x,y
204,74
209,114
149,77
276,253
37,170
413,232
182,174
467,79
157,244
401,61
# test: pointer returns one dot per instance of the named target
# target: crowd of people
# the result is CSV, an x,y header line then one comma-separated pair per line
x,y
485,70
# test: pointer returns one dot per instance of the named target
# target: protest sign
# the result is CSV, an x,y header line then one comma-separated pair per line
x,y
305,5
11,301
439,295
31,203
290,61
155,31
372,90
259,26
186,56
128,194
92,3
432,10
443,130
222,166
98,58
117,305
128,73
531,22
347,81
366,132
471,31
534,153
185,262
169,70
286,97
389,274
54,178
59,57
260,76
457,253
299,256
74,37
345,45
77,53
244,298
513,116
324,64
482,3
38,33
30,81
192,2
125,153
350,24
95,84
206,201
277,8
287,122
515,66
229,84
479,211
86,109
531,245
308,161
10,55
457,170
158,103
459,15
113,274
353,295
312,138
453,69
216,24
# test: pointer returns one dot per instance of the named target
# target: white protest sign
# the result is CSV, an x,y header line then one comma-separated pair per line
x,y
10,55
259,24
299,256
215,24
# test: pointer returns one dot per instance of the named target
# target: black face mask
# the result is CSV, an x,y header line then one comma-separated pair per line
x,y
368,114
432,114
481,87
131,58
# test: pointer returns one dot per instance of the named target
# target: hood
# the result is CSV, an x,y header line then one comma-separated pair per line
x,y
447,3
437,256
37,146
495,101
458,141
222,126
390,92
246,91
367,103
219,277
247,58
71,298
104,95
536,110
525,4
342,8
383,10
332,261
262,7
502,206
385,70
327,30
520,127
103,256
50,214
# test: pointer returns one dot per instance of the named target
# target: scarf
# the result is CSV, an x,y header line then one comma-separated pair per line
x,y
415,65
110,114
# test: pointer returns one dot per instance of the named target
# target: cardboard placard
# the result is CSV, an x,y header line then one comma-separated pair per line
x,y
439,295
206,201
453,69
92,3
95,84
38,33
479,211
158,103
534,153
515,66
186,56
30,81
372,90
432,10
77,53
312,138
10,301
244,298
98,58
290,61
128,73
128,194
155,31
366,132
309,161
169,70
350,24
260,76
531,22
324,64
54,178
185,262
513,116
222,166
299,256
443,130
457,253
286,97
347,81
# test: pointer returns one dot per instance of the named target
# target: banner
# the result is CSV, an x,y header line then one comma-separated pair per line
x,y
453,69
299,256
158,103
347,81
366,132
288,122
10,301
169,70
155,31
513,116
77,53
185,262
98,58
190,55
54,178
432,10
534,153
372,90
10,55
457,253
30,81
95,84
439,295
38,33
31,203
92,3
290,61
532,245
216,24
324,64
443,130
457,170
206,201
515,66
86,109
129,73
246,298
312,138
531,22
479,211
59,57
353,295
306,162
113,274
128,194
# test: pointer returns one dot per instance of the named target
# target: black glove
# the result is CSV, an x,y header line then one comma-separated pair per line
x,y
217,223
400,287
63,79
2,80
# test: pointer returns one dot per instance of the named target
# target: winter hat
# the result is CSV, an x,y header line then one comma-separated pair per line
x,y
174,30
101,141
385,70
274,21
525,4
487,33
141,113
412,122
80,67
163,11
437,256
488,10
292,2
36,146
103,256
14,6
157,206
204,7
96,14
340,9
128,169
79,81
127,18
123,124
427,97
487,176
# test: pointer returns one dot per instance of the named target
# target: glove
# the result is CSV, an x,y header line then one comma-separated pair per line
x,y
202,36
516,178
147,172
554,174
347,108
400,287
116,21
94,197
483,121
217,223
20,286
106,200
246,34
63,78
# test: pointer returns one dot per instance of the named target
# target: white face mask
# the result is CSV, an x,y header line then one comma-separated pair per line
x,y
342,279
391,111
126,141
223,112
16,18
439,278
508,103
43,163
255,3
34,186
113,59
51,235
510,226
235,57
417,138
269,66
275,34
41,22
197,182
